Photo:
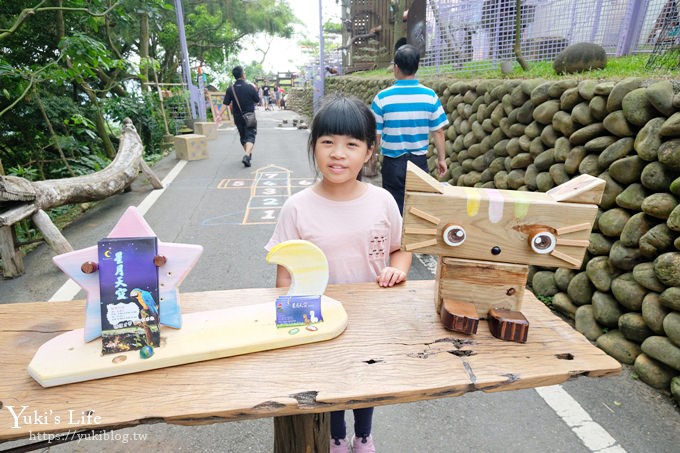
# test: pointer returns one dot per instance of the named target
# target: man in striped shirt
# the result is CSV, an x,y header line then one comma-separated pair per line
x,y
405,115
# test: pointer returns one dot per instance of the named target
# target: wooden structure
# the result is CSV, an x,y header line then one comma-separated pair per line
x,y
20,198
394,350
486,238
368,34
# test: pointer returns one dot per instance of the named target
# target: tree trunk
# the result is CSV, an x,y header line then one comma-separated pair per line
x,y
302,433
20,198
144,49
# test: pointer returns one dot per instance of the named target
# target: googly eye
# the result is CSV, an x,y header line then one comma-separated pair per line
x,y
454,235
543,242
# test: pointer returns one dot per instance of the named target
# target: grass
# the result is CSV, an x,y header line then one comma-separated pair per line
x,y
617,68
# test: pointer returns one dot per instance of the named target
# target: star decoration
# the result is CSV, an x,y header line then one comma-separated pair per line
x,y
181,258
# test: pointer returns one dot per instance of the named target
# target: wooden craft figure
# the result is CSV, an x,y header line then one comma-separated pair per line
x,y
485,239
73,357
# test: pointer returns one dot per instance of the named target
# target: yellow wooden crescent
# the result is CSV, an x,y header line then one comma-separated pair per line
x,y
306,264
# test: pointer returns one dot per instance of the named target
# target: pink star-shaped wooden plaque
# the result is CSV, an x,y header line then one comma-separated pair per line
x,y
181,258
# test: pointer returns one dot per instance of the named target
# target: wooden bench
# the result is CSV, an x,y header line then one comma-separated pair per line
x,y
394,350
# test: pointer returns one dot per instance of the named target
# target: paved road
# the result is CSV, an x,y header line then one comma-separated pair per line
x,y
231,211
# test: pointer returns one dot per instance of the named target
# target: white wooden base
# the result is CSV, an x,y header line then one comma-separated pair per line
x,y
204,336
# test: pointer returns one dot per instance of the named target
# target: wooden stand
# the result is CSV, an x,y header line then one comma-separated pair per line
x,y
204,336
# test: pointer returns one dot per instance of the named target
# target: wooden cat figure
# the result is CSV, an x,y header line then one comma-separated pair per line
x,y
487,238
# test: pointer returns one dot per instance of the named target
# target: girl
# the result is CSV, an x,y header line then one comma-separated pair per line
x,y
357,225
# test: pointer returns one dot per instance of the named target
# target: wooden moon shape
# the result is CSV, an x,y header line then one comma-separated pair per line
x,y
306,263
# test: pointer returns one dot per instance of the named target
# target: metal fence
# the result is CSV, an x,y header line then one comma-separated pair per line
x,y
478,35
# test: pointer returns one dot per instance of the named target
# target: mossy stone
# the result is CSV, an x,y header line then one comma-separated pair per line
x,y
522,160
673,221
515,179
536,147
585,322
654,312
616,123
659,205
562,149
544,112
670,298
669,154
540,93
648,140
564,305
628,292
548,135
660,95
606,309
632,197
581,114
657,240
663,350
586,89
560,86
667,268
627,170
611,222
644,274
612,189
545,159
587,133
625,258
544,182
599,144
671,127
570,98
598,107
619,91
580,290
558,174
615,151
674,186
652,372
675,382
530,177
617,346
589,165
656,177
633,327
636,107
543,283
533,130
600,273
635,227
671,326
574,158
562,277
599,244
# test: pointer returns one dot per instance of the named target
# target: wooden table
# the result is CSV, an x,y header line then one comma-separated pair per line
x,y
393,351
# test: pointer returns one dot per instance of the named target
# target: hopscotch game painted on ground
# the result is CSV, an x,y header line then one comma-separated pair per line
x,y
269,189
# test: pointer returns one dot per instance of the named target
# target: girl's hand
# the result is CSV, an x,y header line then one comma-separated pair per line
x,y
391,276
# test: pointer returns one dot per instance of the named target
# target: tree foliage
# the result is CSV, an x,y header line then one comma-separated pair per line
x,y
71,70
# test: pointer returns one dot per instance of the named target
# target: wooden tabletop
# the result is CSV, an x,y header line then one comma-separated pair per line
x,y
393,351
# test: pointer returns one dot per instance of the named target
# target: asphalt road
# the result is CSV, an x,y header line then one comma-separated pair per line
x,y
231,211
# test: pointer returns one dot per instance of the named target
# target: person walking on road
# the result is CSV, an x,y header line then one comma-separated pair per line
x,y
357,225
242,97
405,114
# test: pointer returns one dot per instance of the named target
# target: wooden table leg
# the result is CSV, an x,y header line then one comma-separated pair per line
x,y
308,433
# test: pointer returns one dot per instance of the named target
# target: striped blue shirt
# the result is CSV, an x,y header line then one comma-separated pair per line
x,y
405,113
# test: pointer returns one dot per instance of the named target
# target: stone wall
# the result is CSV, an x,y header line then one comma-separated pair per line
x,y
536,134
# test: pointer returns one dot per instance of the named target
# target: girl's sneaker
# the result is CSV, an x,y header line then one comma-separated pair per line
x,y
363,444
339,445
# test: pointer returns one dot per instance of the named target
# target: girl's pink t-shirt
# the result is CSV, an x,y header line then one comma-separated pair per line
x,y
357,236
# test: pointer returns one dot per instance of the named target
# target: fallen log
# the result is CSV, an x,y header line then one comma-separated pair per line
x,y
21,198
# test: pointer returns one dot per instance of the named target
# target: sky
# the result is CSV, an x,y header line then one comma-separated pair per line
x,y
285,54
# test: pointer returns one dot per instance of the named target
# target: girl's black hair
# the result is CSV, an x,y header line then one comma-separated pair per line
x,y
342,115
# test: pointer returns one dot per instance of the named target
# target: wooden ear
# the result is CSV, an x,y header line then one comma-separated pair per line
x,y
418,180
584,189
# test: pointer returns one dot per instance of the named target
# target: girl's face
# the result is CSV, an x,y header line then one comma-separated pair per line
x,y
340,157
